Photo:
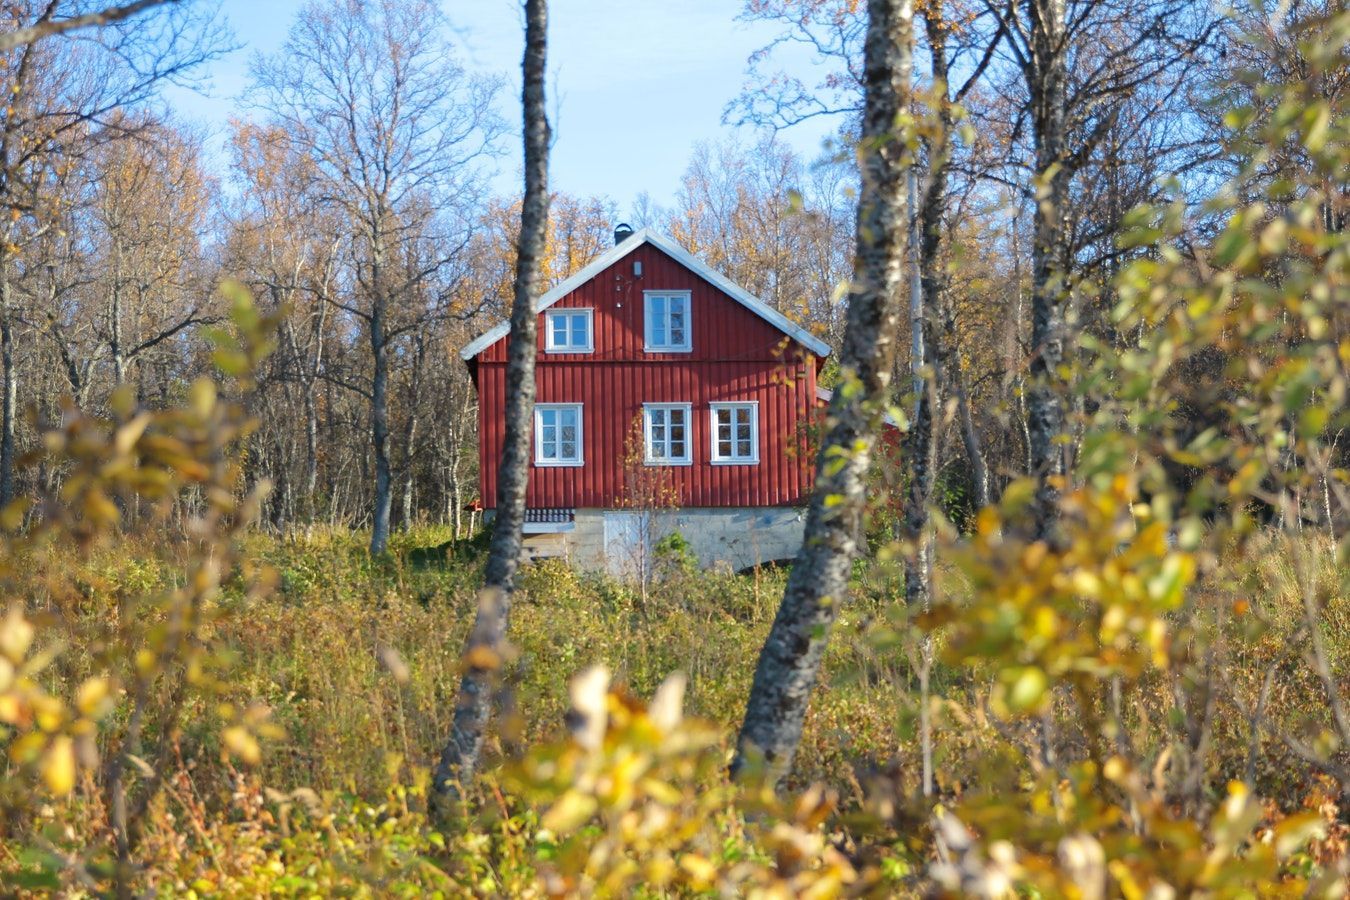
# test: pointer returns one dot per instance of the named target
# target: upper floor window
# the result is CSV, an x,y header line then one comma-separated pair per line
x,y
557,434
735,433
665,430
667,321
569,331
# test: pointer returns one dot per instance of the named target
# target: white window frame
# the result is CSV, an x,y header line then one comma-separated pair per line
x,y
580,458
688,410
647,320
551,314
717,458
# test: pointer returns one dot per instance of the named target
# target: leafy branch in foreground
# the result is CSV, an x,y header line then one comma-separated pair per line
x,y
102,731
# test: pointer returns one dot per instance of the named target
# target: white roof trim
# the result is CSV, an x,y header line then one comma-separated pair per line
x,y
684,258
824,394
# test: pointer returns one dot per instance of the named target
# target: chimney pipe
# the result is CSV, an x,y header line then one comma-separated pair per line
x,y
622,232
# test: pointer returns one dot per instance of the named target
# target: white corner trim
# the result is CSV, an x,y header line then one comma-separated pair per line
x,y
680,255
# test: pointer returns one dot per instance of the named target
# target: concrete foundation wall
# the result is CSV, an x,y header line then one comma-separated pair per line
x,y
621,541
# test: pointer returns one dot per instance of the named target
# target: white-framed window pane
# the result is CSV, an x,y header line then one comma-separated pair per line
x,y
677,435
581,336
667,434
667,321
568,330
735,433
557,435
658,321
676,318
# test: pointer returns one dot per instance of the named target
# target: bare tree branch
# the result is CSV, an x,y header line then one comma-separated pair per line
x,y
11,39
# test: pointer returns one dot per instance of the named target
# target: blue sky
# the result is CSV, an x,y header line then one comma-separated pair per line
x,y
634,83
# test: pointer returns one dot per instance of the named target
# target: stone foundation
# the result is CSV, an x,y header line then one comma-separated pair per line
x,y
621,541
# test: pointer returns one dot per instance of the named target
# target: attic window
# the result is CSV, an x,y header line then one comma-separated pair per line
x,y
569,331
666,315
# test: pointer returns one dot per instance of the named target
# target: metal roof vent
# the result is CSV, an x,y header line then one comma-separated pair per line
x,y
622,232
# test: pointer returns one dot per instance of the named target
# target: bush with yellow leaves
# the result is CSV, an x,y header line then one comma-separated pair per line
x,y
111,718
1105,655
638,798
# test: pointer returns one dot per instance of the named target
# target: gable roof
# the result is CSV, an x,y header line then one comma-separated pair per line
x,y
684,258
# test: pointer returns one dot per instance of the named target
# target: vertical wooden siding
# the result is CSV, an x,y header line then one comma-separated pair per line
x,y
736,356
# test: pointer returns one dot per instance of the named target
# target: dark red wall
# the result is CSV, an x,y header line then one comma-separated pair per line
x,y
736,356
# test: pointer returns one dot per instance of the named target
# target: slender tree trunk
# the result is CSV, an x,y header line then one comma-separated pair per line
x,y
970,435
379,392
410,432
1047,81
789,663
456,499
312,412
1017,360
116,345
941,311
921,442
311,451
931,281
409,479
10,386
379,431
483,650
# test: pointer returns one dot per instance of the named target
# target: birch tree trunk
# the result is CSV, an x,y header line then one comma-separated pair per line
x,y
1047,80
483,650
941,311
789,663
379,423
410,429
10,385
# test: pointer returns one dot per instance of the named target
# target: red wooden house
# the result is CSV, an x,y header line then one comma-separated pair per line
x,y
669,399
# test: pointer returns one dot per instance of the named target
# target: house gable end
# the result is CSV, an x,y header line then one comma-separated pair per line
x,y
587,283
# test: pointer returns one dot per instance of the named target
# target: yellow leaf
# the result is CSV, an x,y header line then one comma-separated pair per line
x,y
130,433
16,635
700,871
242,744
93,698
58,766
572,810
1294,832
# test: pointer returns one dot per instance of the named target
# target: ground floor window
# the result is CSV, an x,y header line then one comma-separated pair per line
x,y
557,434
665,428
735,433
